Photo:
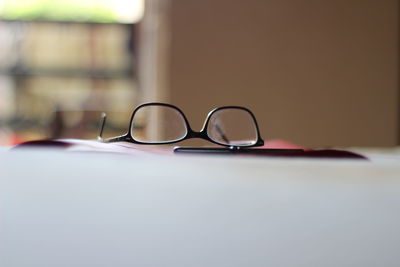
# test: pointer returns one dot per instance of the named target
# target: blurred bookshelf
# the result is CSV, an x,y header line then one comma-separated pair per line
x,y
56,77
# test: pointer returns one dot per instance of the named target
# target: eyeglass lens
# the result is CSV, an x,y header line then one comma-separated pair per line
x,y
232,126
167,123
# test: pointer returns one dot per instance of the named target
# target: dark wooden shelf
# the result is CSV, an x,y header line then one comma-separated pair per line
x,y
79,73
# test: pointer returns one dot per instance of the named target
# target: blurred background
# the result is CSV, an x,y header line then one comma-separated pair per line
x,y
317,73
62,62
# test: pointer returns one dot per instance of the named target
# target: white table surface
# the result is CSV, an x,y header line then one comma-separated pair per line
x,y
87,209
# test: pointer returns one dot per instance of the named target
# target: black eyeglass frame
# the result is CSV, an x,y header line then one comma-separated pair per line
x,y
202,134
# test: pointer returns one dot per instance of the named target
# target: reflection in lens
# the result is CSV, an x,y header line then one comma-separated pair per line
x,y
232,126
158,124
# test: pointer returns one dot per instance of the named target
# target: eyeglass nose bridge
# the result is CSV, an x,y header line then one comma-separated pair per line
x,y
193,134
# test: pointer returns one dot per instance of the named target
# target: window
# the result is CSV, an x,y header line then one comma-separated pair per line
x,y
64,62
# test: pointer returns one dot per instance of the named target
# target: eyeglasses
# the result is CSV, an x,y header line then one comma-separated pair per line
x,y
230,126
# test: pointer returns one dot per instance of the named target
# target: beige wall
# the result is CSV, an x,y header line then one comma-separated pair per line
x,y
318,73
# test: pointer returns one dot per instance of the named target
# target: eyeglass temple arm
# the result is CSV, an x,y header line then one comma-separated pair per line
x,y
226,139
100,136
103,118
221,132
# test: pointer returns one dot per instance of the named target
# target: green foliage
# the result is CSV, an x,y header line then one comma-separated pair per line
x,y
56,10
